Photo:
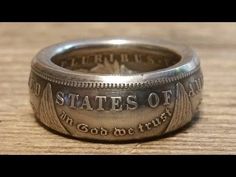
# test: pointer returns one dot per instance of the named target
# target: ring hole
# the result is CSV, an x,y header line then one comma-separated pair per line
x,y
119,59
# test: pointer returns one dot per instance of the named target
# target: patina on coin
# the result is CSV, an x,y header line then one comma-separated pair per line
x,y
115,89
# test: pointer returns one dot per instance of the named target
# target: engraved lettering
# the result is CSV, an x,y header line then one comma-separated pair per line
x,y
98,58
124,58
94,131
148,125
195,87
132,102
116,104
112,58
168,112
156,122
198,84
82,128
60,98
137,58
34,86
86,103
101,100
140,127
167,94
119,132
68,120
63,115
84,60
163,117
153,100
121,57
73,99
104,132
191,91
73,62
37,89
131,131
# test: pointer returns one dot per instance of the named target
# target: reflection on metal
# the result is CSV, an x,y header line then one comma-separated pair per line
x,y
47,113
182,111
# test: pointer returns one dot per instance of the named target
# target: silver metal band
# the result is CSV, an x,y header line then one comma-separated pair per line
x,y
115,89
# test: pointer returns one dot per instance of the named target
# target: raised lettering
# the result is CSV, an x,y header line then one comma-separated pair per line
x,y
132,102
86,104
167,94
101,100
153,100
116,104
73,99
60,98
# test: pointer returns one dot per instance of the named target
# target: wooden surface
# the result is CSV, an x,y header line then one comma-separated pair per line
x,y
214,132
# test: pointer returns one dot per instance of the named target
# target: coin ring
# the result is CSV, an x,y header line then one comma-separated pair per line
x,y
115,89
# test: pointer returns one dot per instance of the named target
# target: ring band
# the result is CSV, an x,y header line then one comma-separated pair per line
x,y
115,89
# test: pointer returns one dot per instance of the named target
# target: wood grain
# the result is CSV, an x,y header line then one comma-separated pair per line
x,y
213,132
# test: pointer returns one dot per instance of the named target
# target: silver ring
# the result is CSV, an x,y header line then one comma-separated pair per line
x,y
115,89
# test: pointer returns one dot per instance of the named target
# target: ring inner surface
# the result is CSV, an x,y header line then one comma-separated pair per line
x,y
120,60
